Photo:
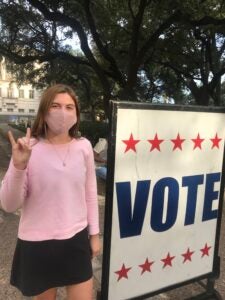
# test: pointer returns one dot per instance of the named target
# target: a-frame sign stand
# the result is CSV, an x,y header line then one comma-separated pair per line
x,y
158,189
209,294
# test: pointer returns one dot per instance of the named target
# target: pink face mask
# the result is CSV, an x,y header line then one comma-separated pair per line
x,y
60,121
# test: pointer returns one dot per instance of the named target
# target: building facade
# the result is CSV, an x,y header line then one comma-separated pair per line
x,y
18,103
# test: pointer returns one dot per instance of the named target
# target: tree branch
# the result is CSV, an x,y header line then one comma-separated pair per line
x,y
154,37
102,49
136,30
207,20
178,71
19,59
222,49
216,78
133,47
130,9
76,26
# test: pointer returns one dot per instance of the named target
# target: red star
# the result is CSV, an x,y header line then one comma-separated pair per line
x,y
155,143
146,266
187,255
177,142
205,250
131,143
168,260
198,141
215,142
123,272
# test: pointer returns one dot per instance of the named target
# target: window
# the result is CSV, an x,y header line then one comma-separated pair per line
x,y
10,104
31,110
0,109
21,93
9,93
21,110
10,109
31,94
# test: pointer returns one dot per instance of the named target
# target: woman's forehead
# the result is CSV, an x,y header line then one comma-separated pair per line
x,y
63,98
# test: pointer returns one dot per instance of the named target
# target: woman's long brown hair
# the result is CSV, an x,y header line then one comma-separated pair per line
x,y
39,126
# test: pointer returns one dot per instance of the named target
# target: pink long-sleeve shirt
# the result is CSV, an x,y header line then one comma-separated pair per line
x,y
57,201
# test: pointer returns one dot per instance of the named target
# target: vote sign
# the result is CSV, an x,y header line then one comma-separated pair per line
x,y
164,198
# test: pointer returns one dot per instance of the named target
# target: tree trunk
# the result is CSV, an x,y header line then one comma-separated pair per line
x,y
200,94
106,98
217,99
127,94
216,93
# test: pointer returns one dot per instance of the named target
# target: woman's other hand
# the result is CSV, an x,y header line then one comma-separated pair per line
x,y
95,245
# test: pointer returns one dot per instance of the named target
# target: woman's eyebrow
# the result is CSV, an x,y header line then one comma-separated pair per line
x,y
69,104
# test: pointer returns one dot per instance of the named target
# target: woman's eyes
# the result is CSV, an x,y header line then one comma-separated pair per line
x,y
67,107
54,106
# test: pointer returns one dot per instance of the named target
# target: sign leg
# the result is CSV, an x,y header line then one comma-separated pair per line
x,y
209,294
98,296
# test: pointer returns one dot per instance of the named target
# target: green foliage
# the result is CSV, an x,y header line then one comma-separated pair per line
x,y
93,130
132,50
20,127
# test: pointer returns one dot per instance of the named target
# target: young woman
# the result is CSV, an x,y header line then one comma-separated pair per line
x,y
51,176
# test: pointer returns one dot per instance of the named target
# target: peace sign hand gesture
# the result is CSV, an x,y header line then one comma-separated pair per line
x,y
21,150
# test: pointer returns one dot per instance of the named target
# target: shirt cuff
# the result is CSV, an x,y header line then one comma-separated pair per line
x,y
17,172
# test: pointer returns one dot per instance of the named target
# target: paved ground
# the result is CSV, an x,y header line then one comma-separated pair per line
x,y
8,234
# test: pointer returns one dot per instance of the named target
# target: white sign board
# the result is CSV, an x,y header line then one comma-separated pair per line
x,y
165,200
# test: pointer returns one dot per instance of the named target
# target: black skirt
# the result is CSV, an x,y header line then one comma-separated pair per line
x,y
41,265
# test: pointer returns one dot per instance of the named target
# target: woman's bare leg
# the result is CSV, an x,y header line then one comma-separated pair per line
x,y
47,295
80,291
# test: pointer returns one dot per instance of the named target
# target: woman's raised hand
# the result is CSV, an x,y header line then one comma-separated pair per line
x,y
21,150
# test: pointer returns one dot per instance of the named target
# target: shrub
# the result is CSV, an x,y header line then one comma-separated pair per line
x,y
20,127
93,130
